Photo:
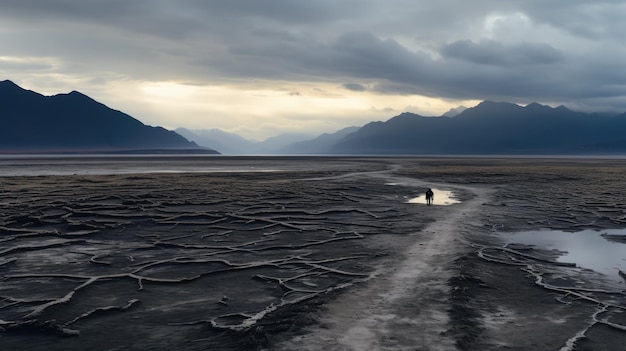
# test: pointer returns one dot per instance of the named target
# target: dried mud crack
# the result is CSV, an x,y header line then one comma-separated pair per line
x,y
518,297
406,302
323,256
191,260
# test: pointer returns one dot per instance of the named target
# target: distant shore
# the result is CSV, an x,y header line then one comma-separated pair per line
x,y
60,152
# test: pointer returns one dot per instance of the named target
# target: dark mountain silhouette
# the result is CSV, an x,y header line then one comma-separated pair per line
x,y
454,111
323,144
492,128
31,122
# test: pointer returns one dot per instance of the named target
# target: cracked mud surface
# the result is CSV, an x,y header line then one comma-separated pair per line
x,y
516,297
322,256
189,260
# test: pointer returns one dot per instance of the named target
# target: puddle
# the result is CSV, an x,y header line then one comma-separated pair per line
x,y
587,248
442,198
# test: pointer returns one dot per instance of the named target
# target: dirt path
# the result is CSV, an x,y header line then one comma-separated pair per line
x,y
404,306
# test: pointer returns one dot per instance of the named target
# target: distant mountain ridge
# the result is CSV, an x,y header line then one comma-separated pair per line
x,y
226,143
492,128
233,144
454,111
284,144
31,122
323,144
75,123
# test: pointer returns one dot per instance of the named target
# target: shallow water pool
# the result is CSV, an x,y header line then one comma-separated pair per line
x,y
587,249
442,198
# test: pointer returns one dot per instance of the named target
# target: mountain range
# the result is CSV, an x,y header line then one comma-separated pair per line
x,y
75,123
492,128
233,144
31,122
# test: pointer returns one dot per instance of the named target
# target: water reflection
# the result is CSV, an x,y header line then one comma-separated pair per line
x,y
587,248
25,165
442,198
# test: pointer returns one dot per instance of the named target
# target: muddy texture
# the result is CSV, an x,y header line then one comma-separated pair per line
x,y
326,255
516,297
198,261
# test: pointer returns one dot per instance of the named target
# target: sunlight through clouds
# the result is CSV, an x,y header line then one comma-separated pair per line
x,y
27,63
314,107
169,90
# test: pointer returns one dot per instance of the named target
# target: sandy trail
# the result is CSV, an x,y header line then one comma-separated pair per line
x,y
404,305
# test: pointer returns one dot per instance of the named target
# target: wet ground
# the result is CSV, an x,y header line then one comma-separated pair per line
x,y
443,198
313,253
601,251
520,297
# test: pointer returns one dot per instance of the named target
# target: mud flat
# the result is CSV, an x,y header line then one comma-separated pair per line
x,y
461,283
319,253
520,297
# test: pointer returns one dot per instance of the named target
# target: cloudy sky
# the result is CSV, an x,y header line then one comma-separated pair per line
x,y
263,67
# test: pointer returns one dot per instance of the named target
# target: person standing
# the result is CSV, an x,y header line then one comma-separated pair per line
x,y
430,196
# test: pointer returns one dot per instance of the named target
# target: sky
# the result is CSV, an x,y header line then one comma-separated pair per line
x,y
260,68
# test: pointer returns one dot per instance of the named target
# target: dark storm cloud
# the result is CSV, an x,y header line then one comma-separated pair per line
x,y
470,73
281,11
599,19
156,17
354,54
494,53
512,50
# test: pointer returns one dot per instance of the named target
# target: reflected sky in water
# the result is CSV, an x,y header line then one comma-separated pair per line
x,y
38,165
442,198
588,249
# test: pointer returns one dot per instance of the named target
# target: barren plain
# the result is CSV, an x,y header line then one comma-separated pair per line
x,y
308,254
